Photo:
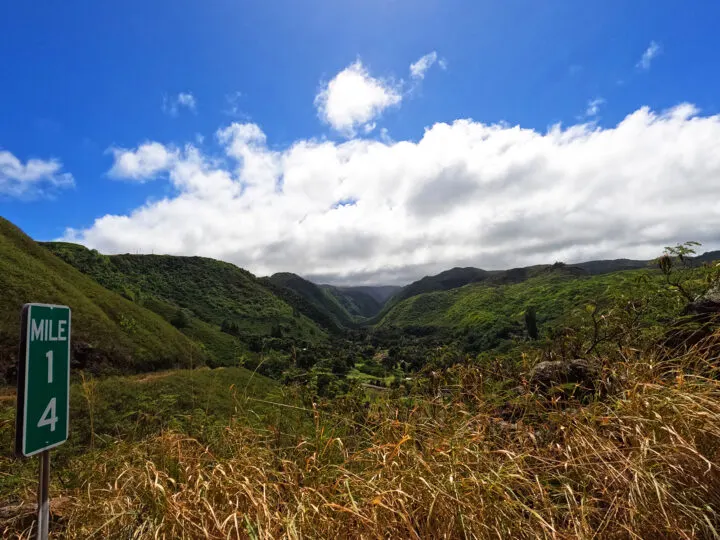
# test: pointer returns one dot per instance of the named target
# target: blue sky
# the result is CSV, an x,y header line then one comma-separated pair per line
x,y
83,78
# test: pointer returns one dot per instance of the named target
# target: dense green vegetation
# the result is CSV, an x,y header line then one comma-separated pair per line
x,y
206,299
358,303
110,333
484,315
318,301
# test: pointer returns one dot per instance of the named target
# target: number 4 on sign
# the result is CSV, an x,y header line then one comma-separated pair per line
x,y
49,418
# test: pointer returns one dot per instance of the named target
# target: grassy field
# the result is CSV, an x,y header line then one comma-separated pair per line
x,y
641,459
104,411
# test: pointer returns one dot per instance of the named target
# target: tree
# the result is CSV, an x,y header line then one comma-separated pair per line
x,y
180,319
531,322
690,279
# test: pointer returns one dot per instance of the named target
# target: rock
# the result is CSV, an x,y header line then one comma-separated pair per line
x,y
705,306
550,373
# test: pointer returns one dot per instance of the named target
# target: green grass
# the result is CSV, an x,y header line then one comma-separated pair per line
x,y
199,403
123,335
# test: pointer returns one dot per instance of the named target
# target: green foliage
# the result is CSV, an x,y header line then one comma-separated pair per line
x,y
485,316
121,335
317,303
684,274
181,319
212,302
356,301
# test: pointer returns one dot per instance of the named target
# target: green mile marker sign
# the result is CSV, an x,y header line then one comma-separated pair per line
x,y
43,403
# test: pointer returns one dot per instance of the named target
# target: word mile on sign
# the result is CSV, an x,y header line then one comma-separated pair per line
x,y
43,379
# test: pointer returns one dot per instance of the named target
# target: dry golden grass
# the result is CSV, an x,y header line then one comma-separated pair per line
x,y
643,462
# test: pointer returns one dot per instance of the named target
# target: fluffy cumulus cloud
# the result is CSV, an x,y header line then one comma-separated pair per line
x,y
419,68
143,163
354,98
34,178
184,100
650,53
465,193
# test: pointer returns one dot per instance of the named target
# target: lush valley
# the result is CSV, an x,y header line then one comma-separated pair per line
x,y
468,404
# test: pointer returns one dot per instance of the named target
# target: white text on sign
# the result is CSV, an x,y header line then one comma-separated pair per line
x,y
43,330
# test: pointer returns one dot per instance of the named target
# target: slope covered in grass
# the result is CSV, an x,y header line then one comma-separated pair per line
x,y
213,291
105,411
494,312
114,332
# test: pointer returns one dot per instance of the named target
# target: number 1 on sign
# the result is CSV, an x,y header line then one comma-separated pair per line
x,y
49,418
49,357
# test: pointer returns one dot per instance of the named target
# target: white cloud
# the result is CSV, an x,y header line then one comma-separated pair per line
x,y
419,68
650,53
353,99
143,163
173,104
465,193
593,106
34,178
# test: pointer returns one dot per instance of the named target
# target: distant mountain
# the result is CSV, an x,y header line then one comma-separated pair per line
x,y
313,301
200,295
449,279
359,305
380,293
109,333
616,265
709,256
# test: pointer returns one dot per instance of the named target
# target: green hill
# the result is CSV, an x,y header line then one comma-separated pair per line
x,y
493,312
455,278
197,294
356,301
313,301
110,333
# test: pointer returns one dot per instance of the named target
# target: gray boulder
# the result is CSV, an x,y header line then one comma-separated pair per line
x,y
706,305
551,373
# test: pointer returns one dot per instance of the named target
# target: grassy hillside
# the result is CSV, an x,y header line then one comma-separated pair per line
x,y
495,312
459,277
455,278
215,292
318,304
109,332
105,411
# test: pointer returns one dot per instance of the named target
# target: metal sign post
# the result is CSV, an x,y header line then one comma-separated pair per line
x,y
43,392
43,519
